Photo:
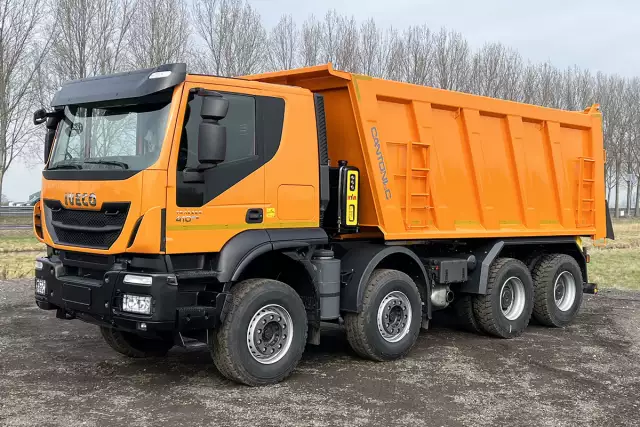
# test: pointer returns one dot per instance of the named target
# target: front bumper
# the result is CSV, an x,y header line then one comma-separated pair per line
x,y
100,301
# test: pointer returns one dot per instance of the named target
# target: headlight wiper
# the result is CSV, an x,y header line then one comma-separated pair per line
x,y
123,165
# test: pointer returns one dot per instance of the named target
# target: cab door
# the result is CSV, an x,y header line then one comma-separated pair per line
x,y
203,214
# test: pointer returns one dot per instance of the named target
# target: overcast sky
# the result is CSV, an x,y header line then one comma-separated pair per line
x,y
596,34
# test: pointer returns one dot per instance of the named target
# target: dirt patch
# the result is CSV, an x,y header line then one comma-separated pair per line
x,y
58,373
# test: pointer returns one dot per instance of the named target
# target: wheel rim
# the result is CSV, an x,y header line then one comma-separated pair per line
x,y
512,298
564,291
394,316
270,334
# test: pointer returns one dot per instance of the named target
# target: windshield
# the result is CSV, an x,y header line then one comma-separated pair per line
x,y
116,137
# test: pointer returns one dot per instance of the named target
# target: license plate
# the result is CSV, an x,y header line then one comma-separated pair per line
x,y
76,294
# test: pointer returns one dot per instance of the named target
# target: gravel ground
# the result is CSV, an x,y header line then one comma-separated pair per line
x,y
61,373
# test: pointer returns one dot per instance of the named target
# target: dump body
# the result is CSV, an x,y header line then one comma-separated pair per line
x,y
443,164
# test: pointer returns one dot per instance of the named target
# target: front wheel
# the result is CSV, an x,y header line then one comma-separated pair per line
x,y
263,335
133,345
389,323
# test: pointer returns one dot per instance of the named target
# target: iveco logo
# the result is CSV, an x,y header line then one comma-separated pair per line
x,y
80,199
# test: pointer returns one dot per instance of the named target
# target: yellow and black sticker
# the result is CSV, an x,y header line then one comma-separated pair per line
x,y
352,197
271,212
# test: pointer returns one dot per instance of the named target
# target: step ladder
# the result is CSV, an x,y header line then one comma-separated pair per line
x,y
417,195
585,211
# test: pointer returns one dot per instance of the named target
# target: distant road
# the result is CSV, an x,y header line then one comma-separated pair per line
x,y
16,211
16,217
15,226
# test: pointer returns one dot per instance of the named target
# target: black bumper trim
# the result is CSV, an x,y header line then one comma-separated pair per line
x,y
99,301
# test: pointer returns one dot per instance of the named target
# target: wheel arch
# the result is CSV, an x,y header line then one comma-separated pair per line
x,y
288,268
360,261
244,248
520,249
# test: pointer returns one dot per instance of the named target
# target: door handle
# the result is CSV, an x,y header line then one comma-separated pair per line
x,y
254,216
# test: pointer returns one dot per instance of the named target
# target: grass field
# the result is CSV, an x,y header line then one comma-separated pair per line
x,y
16,220
616,265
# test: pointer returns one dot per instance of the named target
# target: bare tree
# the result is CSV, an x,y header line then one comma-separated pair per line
x,y
90,37
370,48
348,48
20,58
610,91
233,35
549,85
392,56
451,60
329,37
311,42
282,44
633,112
418,56
160,34
496,72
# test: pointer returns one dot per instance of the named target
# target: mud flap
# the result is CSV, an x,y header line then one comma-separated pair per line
x,y
610,234
590,288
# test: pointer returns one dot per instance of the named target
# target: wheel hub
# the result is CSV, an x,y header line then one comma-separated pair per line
x,y
512,298
394,316
270,334
564,291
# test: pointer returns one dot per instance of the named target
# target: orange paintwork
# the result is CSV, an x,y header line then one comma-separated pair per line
x,y
443,164
295,164
433,163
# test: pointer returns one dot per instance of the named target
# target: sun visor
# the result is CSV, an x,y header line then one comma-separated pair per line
x,y
126,87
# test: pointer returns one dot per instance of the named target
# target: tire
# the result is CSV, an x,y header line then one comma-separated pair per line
x,y
385,289
493,312
465,317
253,301
133,345
563,270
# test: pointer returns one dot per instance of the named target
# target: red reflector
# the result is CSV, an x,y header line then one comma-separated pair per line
x,y
588,258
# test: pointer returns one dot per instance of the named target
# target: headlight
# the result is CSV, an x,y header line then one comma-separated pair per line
x,y
38,265
41,287
136,304
133,279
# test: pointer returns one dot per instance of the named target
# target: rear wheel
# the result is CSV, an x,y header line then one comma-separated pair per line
x,y
389,323
558,290
504,311
465,317
133,345
263,335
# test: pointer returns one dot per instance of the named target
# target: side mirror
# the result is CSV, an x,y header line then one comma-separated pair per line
x,y
212,138
52,124
39,116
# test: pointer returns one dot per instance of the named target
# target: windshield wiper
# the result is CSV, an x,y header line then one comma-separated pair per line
x,y
65,166
123,165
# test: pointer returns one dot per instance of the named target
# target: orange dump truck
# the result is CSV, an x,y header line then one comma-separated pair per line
x,y
242,213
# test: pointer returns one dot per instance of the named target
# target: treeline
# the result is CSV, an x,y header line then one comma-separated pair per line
x,y
46,42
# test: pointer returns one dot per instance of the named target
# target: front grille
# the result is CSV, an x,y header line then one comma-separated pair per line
x,y
87,258
85,228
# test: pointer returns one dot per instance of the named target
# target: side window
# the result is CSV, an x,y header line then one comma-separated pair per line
x,y
241,130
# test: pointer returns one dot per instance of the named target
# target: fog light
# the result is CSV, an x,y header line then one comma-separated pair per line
x,y
38,265
142,326
136,304
41,287
132,279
